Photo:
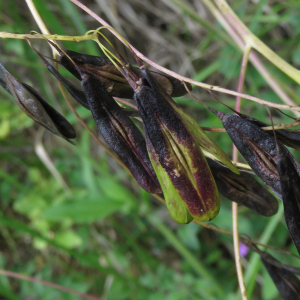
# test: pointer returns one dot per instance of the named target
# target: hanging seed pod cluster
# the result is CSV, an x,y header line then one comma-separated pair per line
x,y
167,157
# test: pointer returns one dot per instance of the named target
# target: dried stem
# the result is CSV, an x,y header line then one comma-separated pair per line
x,y
235,227
37,17
75,38
150,62
47,283
90,131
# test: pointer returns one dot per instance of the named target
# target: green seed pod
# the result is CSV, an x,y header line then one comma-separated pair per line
x,y
201,138
186,180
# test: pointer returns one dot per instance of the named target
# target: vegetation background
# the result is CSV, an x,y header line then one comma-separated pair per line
x,y
71,216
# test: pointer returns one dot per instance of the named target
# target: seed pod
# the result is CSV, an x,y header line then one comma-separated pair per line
x,y
77,94
282,275
290,186
35,107
286,282
289,137
186,180
243,189
201,138
257,147
112,79
119,132
271,260
177,159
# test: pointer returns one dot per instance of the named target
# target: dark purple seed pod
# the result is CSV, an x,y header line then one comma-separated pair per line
x,y
286,282
287,137
77,94
243,189
273,163
119,132
283,275
112,80
257,147
35,107
290,186
185,177
186,180
113,122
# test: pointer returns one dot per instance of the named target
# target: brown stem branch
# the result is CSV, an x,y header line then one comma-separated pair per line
x,y
235,228
47,283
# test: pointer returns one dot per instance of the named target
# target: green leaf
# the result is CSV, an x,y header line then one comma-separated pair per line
x,y
68,239
4,128
83,210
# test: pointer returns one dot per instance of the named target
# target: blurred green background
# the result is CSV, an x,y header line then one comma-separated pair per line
x,y
87,225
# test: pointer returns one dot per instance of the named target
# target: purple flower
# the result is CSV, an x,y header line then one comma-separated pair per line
x,y
244,250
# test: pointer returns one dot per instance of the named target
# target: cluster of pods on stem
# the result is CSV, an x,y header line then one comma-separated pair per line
x,y
167,157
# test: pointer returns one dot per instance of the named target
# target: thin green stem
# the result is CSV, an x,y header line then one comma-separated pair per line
x,y
74,38
164,70
235,229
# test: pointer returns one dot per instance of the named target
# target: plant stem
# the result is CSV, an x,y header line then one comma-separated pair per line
x,y
200,84
47,283
37,17
235,228
150,62
75,38
45,158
